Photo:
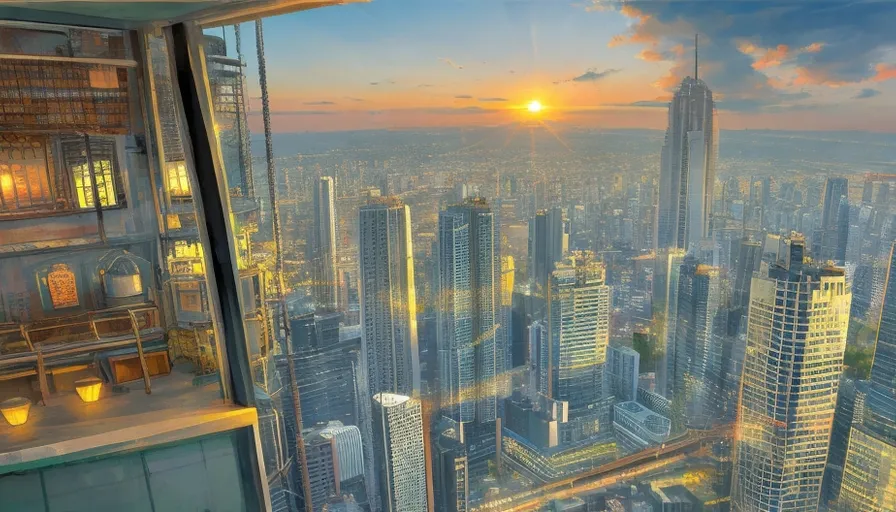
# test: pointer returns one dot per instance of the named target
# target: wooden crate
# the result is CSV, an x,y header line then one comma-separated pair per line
x,y
127,368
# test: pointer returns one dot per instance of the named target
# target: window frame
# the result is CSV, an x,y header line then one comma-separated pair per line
x,y
47,176
99,152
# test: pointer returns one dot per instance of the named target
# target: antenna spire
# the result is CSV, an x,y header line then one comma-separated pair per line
x,y
696,55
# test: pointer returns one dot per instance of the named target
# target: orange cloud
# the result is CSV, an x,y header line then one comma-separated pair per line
x,y
667,81
813,48
617,40
805,76
884,72
632,11
747,48
772,57
651,56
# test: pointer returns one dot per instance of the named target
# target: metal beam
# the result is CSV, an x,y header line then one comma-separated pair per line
x,y
213,202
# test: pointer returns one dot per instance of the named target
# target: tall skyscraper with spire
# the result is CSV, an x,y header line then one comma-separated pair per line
x,y
688,165
323,244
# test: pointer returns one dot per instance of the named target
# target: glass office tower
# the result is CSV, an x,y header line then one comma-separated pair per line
x,y
796,337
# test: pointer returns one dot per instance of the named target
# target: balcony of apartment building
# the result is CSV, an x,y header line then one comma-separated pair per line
x,y
135,314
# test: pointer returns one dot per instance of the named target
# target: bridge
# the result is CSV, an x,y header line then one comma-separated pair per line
x,y
631,466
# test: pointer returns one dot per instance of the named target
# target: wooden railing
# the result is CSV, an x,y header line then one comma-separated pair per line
x,y
33,346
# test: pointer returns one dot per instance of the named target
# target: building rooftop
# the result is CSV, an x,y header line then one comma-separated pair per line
x,y
650,420
390,399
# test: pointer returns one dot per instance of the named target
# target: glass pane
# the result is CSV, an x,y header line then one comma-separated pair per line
x,y
592,256
200,474
107,322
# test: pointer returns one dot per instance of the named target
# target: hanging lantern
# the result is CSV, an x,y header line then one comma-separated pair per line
x,y
122,279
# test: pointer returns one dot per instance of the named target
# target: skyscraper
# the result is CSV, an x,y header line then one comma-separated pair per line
x,y
578,332
546,246
399,452
883,368
796,337
323,244
833,235
469,298
696,366
688,166
538,357
669,263
622,372
505,328
450,483
334,458
388,298
869,473
748,260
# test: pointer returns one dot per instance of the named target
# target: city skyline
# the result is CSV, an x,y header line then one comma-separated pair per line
x,y
391,75
491,304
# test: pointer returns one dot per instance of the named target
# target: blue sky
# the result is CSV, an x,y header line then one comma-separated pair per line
x,y
401,63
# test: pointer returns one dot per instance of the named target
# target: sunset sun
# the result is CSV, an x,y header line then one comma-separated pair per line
x,y
534,106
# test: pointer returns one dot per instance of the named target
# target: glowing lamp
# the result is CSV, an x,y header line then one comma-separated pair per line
x,y
89,389
16,410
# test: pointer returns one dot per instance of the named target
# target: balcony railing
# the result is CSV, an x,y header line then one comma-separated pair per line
x,y
65,343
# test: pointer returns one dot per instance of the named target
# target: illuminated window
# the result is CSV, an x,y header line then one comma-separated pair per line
x,y
106,171
105,184
62,286
24,181
187,258
178,180
185,249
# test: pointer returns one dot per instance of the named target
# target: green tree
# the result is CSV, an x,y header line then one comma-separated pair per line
x,y
858,361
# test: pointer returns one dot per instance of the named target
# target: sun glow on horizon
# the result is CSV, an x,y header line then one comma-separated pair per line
x,y
534,106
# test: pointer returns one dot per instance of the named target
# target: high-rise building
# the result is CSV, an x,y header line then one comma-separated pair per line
x,y
327,367
469,299
850,411
869,472
323,244
388,298
505,327
666,274
399,452
796,337
450,483
831,239
546,246
622,372
748,260
696,368
883,367
578,332
688,166
538,359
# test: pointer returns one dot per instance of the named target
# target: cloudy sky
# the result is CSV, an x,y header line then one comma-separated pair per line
x,y
794,64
